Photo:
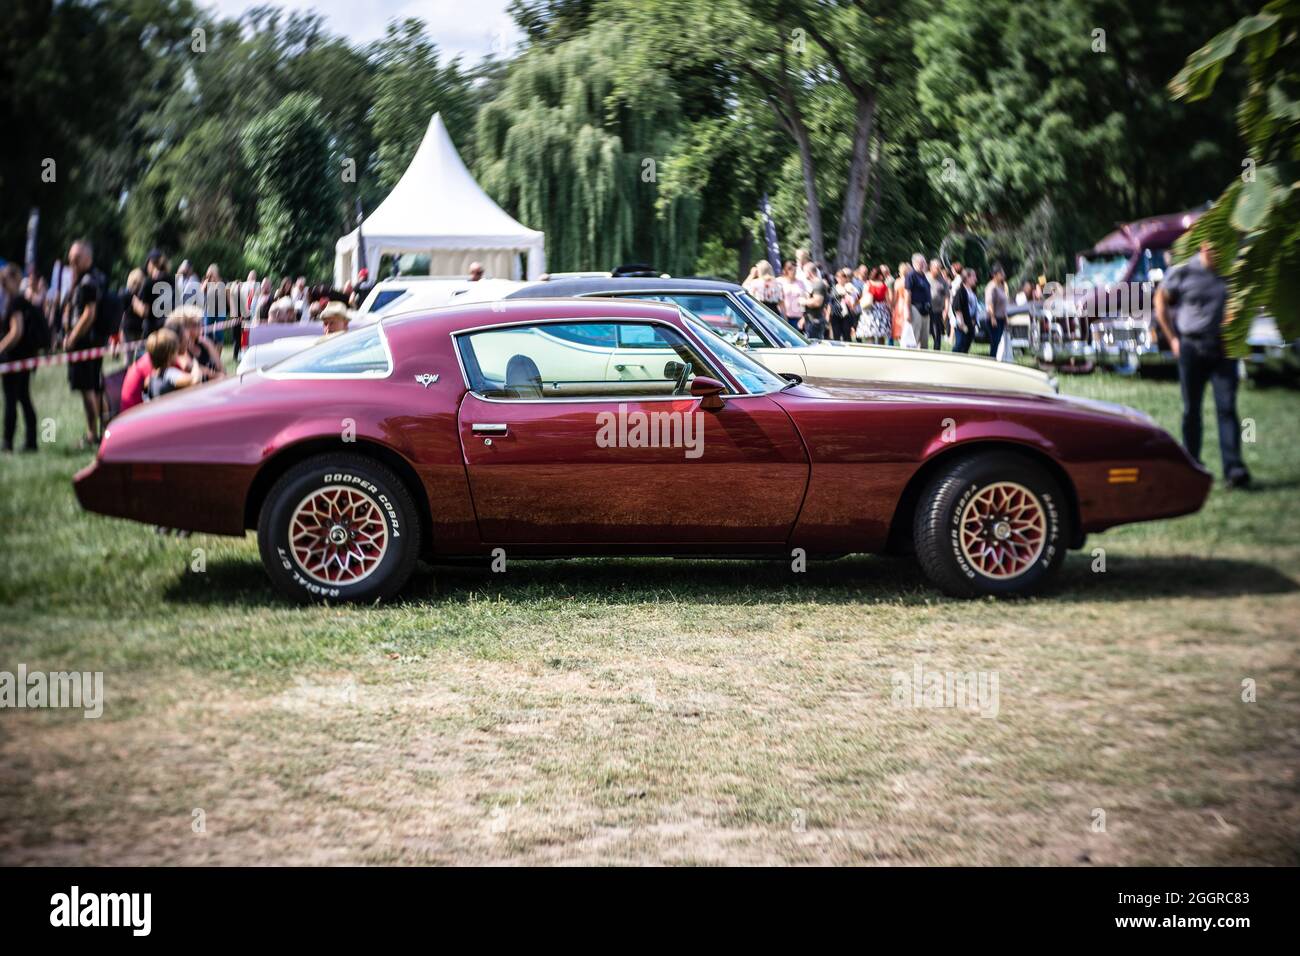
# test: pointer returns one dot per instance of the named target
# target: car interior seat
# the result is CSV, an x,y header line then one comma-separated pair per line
x,y
523,377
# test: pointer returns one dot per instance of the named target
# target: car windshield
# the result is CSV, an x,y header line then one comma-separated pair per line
x,y
1102,270
753,378
787,336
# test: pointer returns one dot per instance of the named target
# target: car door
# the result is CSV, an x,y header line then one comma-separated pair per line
x,y
558,457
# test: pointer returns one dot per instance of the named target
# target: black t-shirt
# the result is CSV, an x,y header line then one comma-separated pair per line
x,y
963,301
918,284
133,322
201,355
87,292
23,348
155,312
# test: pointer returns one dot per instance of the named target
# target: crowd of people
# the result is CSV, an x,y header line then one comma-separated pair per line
x,y
171,325
919,306
167,320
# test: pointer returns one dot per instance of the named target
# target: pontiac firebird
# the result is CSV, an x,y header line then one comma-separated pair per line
x,y
451,434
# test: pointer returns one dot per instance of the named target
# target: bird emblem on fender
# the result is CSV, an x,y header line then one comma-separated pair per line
x,y
426,379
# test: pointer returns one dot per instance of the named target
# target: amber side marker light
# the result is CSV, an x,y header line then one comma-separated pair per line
x,y
1123,476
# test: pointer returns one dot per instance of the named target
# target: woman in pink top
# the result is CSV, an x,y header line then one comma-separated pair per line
x,y
137,376
765,287
793,292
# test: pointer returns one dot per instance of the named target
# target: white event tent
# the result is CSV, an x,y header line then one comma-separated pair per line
x,y
437,208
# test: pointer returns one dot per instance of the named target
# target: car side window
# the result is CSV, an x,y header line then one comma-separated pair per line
x,y
716,311
581,360
587,333
385,298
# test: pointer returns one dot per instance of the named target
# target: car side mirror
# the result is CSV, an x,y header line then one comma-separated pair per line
x,y
709,392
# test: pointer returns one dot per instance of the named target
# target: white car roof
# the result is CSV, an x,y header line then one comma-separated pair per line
x,y
417,293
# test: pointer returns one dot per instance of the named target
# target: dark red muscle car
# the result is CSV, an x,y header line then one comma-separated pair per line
x,y
607,427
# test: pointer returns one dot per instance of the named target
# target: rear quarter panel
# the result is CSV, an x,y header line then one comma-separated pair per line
x,y
864,453
190,459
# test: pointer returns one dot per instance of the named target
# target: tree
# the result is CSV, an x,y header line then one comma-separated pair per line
x,y
1069,108
76,80
787,57
1254,225
412,82
868,51
568,152
551,21
762,60
195,198
287,153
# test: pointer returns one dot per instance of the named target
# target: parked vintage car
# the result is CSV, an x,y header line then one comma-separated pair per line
x,y
269,343
272,343
1108,312
413,293
1270,355
598,427
748,323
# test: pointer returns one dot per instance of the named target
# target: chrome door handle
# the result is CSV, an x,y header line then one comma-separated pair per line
x,y
488,429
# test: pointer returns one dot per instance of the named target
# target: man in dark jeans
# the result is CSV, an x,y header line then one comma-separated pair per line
x,y
1190,309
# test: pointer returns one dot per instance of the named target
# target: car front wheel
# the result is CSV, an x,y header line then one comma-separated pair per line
x,y
339,528
995,523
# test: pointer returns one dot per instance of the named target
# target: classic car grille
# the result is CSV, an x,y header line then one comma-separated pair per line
x,y
1124,335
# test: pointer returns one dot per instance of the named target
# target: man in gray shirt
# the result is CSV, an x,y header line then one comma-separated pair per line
x,y
1190,310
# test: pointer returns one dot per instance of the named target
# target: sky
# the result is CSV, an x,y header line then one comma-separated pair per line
x,y
472,28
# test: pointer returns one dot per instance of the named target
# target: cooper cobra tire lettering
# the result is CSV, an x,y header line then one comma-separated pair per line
x,y
979,486
314,494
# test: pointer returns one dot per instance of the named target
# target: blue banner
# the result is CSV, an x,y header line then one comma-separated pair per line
x,y
769,234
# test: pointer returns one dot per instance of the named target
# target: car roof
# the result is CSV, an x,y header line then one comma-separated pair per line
x,y
562,288
407,280
1154,231
454,318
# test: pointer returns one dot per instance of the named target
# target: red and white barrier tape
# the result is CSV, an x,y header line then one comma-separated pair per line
x,y
82,355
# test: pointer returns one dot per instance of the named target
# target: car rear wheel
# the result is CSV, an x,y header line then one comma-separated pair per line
x,y
995,523
339,528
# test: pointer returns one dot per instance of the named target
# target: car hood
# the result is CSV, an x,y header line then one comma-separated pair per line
x,y
852,390
925,367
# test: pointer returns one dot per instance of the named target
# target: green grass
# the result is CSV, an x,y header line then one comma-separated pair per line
x,y
656,710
